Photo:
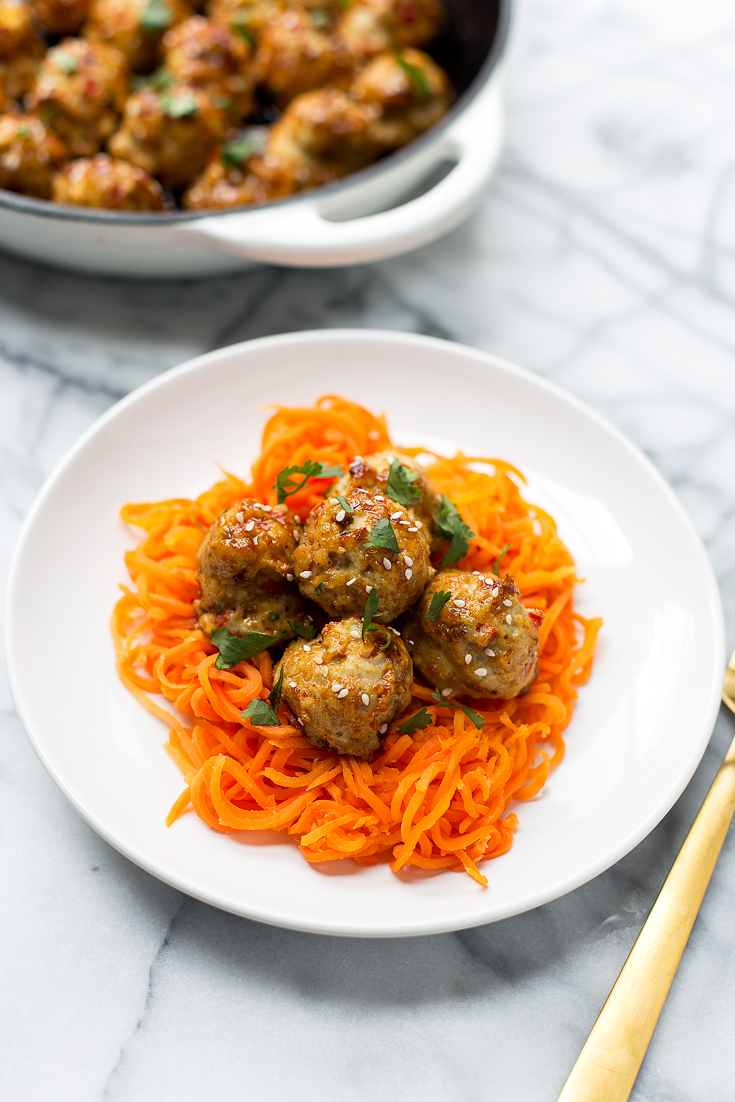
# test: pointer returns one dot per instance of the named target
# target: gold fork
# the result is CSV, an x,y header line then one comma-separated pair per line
x,y
607,1066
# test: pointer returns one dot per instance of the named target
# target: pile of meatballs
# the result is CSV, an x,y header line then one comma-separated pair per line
x,y
261,569
143,105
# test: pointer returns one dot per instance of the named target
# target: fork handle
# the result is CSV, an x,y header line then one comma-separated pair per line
x,y
608,1064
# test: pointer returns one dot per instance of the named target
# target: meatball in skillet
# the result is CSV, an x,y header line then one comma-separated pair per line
x,y
209,56
245,572
135,27
20,49
367,27
30,153
343,555
411,90
344,692
373,473
107,182
482,643
295,55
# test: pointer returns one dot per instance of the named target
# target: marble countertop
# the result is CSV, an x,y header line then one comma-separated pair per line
x,y
603,258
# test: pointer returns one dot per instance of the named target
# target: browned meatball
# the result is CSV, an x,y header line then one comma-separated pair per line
x,y
80,92
61,17
322,136
373,473
207,55
170,135
224,184
336,566
245,572
295,56
104,181
29,155
482,643
135,27
368,27
245,17
344,692
20,49
411,90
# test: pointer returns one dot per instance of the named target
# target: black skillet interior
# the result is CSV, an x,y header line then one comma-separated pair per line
x,y
471,31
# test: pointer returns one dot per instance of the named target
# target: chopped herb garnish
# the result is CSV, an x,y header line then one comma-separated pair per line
x,y
304,631
438,602
66,62
239,26
399,487
272,615
287,485
264,713
345,505
416,75
179,105
496,564
416,723
236,648
235,153
156,16
450,526
368,624
320,19
222,103
320,589
24,130
382,535
160,80
476,718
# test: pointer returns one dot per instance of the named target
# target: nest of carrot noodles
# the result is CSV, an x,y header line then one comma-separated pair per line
x,y
437,799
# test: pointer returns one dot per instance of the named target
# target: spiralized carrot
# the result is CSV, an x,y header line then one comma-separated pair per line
x,y
438,799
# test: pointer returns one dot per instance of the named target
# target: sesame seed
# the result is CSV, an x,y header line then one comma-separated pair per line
x,y
379,497
409,574
240,518
250,524
296,534
419,524
495,591
482,672
340,516
459,602
508,619
305,574
334,501
358,459
368,589
342,550
337,687
490,653
387,564
355,633
446,692
406,524
507,603
289,577
352,581
255,540
467,659
383,728
365,699
318,658
476,572
396,516
292,684
343,694
408,561
267,508
306,647
413,528
394,630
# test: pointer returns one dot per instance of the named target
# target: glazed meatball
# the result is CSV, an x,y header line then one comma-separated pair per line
x,y
411,90
245,572
29,155
135,27
103,181
20,49
207,55
245,17
336,565
483,643
322,136
80,92
368,27
61,17
224,184
170,135
372,473
344,692
294,56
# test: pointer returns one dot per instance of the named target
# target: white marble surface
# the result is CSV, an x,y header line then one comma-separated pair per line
x,y
604,259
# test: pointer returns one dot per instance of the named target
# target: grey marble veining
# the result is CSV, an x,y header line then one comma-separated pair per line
x,y
604,259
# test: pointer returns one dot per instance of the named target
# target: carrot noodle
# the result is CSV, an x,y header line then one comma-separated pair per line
x,y
438,799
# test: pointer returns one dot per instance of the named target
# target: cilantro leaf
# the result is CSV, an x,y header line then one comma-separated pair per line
x,y
178,105
416,75
417,722
264,713
450,526
320,589
438,602
304,631
24,131
496,564
274,696
345,505
235,153
235,648
239,26
371,607
287,485
399,487
476,718
382,535
66,62
156,16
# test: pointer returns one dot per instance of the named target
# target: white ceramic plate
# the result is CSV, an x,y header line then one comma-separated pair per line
x,y
641,724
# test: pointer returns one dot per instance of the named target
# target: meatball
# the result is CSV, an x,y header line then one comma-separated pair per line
x,y
483,642
322,136
80,92
29,155
103,181
245,572
207,55
372,474
223,184
61,17
411,90
135,27
337,567
295,56
368,27
245,17
170,135
344,692
20,49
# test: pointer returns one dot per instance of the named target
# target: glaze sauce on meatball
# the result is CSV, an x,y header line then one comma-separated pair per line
x,y
373,471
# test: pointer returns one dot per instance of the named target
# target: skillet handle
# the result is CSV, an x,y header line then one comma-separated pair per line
x,y
306,233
